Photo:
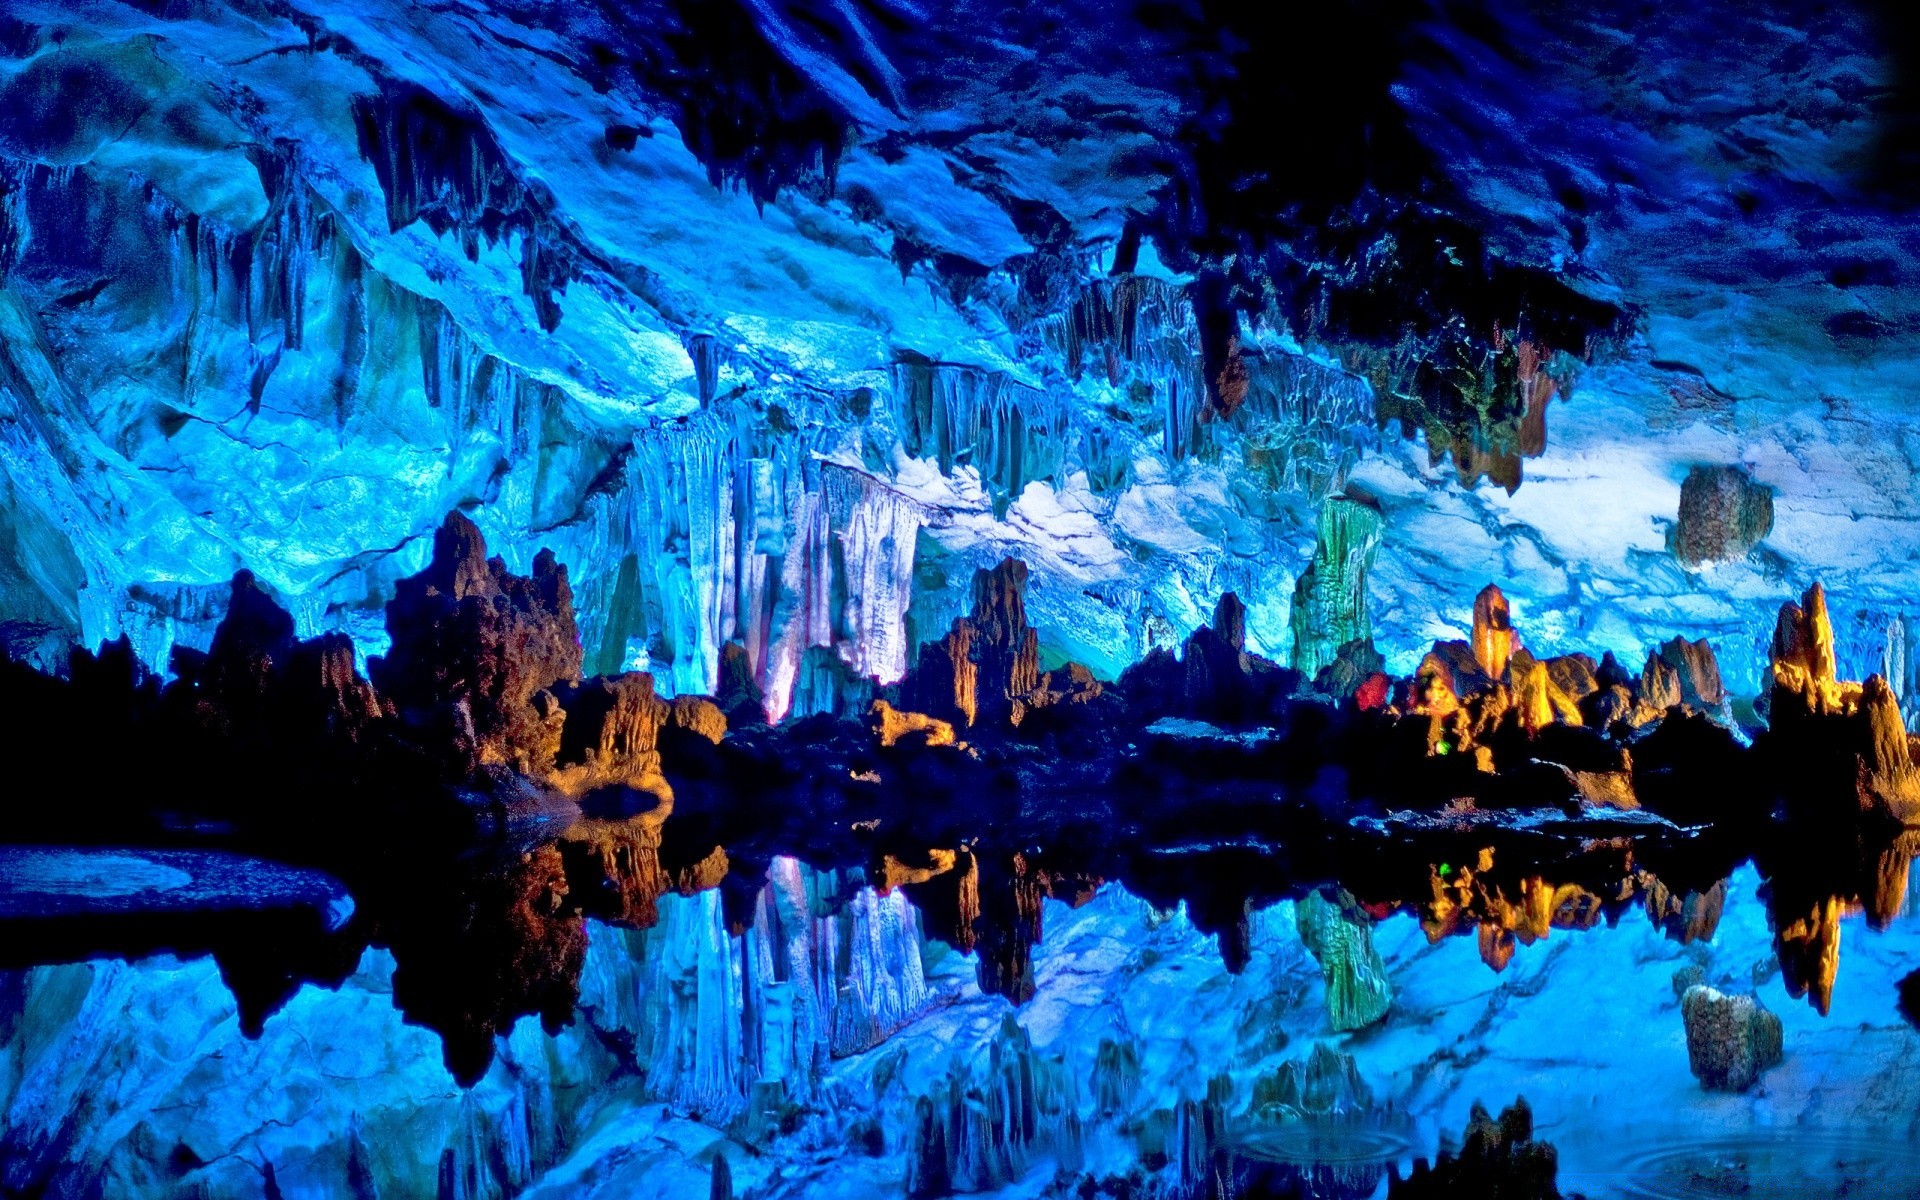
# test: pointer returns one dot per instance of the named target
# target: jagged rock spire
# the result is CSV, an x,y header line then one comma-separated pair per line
x,y
1493,639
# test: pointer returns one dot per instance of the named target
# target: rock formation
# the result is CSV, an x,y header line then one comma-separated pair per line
x,y
1730,1039
1494,1159
1723,515
1326,1085
477,647
979,1129
1845,744
1214,679
986,670
1358,991
1330,598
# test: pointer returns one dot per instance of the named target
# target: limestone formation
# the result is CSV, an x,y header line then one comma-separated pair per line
x,y
1683,672
890,725
979,1130
988,666
1325,1084
1836,737
1358,991
1495,1159
476,644
1807,942
611,732
1330,598
1730,1039
252,643
1214,679
1493,638
1723,515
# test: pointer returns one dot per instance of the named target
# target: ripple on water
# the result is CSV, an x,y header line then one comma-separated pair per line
x,y
1778,1164
1324,1143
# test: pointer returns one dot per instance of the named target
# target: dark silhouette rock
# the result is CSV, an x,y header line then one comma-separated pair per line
x,y
469,635
1495,1159
738,696
250,647
1214,679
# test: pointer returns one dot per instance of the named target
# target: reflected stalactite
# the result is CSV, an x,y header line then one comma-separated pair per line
x,y
1686,918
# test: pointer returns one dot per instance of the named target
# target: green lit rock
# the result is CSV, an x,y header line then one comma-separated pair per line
x,y
1330,600
1341,940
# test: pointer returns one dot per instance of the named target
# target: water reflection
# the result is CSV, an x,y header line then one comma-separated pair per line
x,y
494,929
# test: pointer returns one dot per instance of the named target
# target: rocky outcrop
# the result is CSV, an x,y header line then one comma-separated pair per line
x,y
1494,1159
981,1128
1806,940
1326,1085
1723,515
1214,678
986,670
1730,1039
610,732
1844,744
475,647
1493,637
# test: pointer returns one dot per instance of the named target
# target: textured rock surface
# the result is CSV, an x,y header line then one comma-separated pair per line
x,y
1330,603
1358,991
1723,516
1495,1158
1730,1039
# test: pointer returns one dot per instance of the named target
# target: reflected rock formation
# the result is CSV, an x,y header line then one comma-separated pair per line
x,y
1495,1158
1730,1039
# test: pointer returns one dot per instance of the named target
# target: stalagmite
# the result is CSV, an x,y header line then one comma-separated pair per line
x,y
1330,599
1847,742
958,415
1493,639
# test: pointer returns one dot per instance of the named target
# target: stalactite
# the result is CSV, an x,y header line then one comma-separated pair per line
x,y
1900,666
1303,424
1139,330
693,1058
490,1155
445,168
959,415
707,355
880,530
843,960
680,481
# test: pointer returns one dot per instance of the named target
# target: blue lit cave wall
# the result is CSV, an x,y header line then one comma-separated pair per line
x,y
775,321
777,345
